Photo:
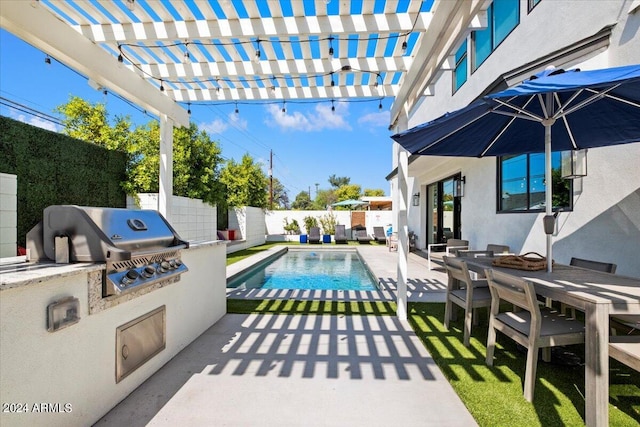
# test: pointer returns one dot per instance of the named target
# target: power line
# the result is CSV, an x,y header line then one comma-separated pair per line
x,y
31,111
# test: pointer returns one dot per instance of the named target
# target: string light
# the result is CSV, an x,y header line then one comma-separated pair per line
x,y
237,111
189,108
161,86
380,106
333,107
330,47
284,109
47,60
186,57
404,45
257,55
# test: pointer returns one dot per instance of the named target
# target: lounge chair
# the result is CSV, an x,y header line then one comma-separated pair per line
x,y
341,234
314,235
379,235
362,236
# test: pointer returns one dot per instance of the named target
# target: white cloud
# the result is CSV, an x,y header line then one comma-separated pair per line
x,y
319,119
219,126
379,119
35,121
215,126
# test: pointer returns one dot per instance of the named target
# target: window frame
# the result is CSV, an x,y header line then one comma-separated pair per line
x,y
499,187
493,46
464,58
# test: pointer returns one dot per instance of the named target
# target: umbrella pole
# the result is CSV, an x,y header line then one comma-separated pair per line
x,y
548,189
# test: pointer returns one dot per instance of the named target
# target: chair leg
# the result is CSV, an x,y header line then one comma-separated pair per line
x,y
468,315
491,343
447,314
530,372
546,354
475,317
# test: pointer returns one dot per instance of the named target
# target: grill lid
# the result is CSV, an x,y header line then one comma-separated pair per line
x,y
102,234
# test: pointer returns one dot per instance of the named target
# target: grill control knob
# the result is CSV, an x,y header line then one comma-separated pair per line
x,y
178,262
148,271
164,267
130,277
172,264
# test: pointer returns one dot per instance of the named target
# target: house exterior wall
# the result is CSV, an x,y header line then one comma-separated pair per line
x,y
604,224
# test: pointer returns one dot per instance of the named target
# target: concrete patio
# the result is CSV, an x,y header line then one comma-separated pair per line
x,y
281,370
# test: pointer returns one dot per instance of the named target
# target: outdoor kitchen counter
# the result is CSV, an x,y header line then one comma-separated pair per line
x,y
69,367
18,274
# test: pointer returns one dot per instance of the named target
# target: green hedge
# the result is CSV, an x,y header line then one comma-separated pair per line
x,y
54,169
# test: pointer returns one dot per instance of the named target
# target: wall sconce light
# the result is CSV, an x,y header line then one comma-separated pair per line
x,y
574,164
416,199
458,188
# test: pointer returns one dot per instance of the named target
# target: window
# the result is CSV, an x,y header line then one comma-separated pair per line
x,y
502,17
522,187
460,71
532,4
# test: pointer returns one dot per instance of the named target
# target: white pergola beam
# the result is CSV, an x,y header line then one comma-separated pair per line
x,y
40,28
299,26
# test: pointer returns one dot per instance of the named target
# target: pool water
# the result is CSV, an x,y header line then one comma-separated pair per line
x,y
321,270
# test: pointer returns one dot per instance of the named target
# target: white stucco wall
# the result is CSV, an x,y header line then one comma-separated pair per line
x,y
192,219
605,222
249,223
8,215
76,365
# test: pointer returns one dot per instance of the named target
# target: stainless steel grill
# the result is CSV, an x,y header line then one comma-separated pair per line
x,y
139,247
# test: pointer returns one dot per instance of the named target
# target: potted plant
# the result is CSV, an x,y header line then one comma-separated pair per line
x,y
291,227
328,223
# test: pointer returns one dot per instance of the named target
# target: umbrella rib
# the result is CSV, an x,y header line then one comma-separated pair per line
x,y
453,131
617,98
566,125
520,111
596,96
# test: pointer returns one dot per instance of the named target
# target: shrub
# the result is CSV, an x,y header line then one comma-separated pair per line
x,y
328,223
310,221
291,227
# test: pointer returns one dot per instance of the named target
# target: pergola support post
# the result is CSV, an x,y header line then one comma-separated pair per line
x,y
165,180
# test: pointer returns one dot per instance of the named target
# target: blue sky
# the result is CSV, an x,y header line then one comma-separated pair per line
x,y
309,141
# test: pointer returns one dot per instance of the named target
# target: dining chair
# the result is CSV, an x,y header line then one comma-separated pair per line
x,y
464,292
532,327
605,267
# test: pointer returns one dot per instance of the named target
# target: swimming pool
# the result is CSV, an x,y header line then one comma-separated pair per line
x,y
303,269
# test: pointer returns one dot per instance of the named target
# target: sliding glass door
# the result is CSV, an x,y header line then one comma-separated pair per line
x,y
443,210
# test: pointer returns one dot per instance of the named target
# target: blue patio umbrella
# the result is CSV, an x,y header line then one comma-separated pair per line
x,y
555,110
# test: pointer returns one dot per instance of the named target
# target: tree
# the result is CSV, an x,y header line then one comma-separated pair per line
x,y
324,198
246,182
196,158
302,201
347,192
368,192
280,196
338,181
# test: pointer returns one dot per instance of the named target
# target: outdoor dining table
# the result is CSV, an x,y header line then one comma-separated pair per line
x,y
599,295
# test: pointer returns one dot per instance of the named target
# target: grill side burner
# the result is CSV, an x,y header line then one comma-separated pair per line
x,y
139,247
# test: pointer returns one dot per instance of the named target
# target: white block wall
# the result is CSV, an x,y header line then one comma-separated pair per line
x,y
8,215
249,225
193,219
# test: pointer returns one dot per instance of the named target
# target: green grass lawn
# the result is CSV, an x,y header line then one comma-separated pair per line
x,y
494,396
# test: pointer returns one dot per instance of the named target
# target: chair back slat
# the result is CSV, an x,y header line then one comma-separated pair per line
x,y
457,242
457,269
498,249
605,267
513,290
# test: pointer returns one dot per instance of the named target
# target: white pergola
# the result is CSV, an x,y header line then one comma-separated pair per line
x,y
166,55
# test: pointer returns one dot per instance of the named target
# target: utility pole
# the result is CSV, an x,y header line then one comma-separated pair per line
x,y
309,192
270,179
317,190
